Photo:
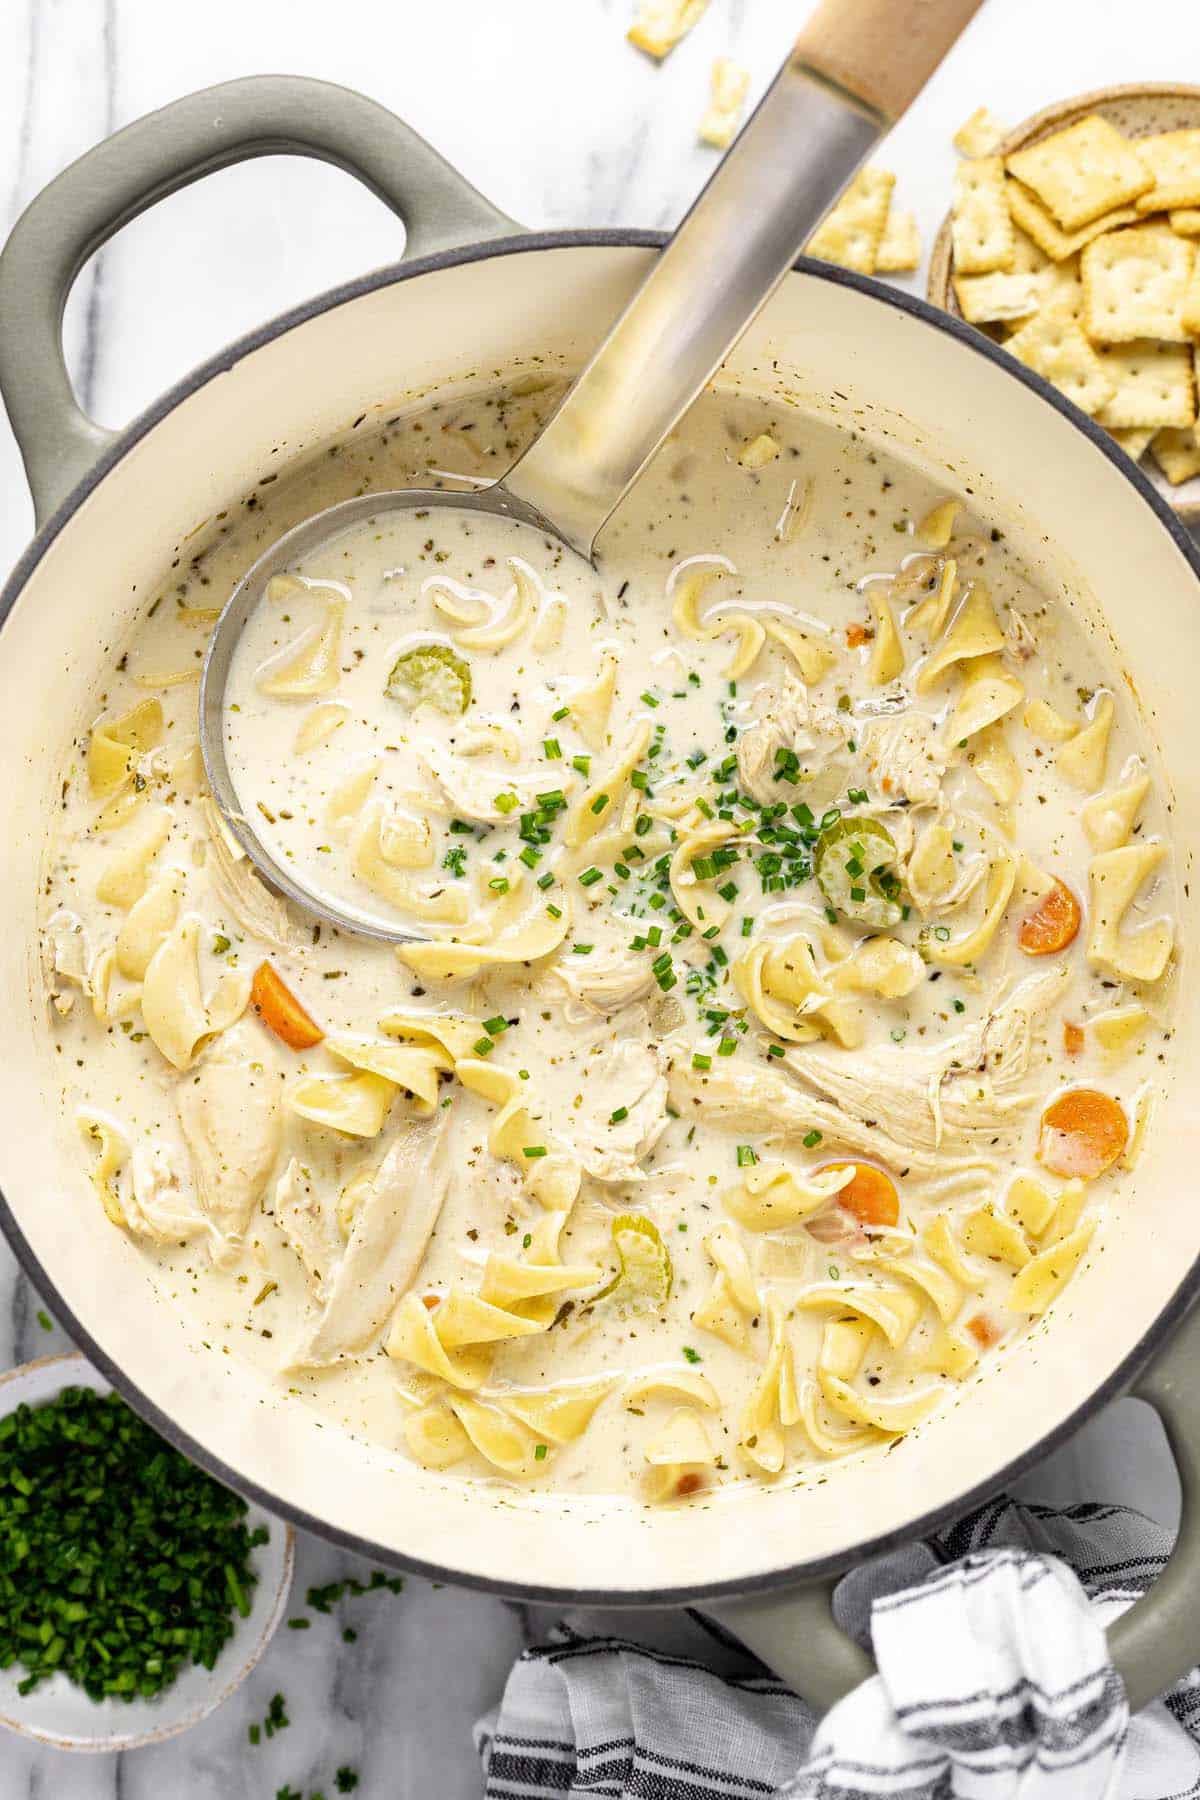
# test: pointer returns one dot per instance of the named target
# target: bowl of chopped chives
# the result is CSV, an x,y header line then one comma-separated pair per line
x,y
136,1593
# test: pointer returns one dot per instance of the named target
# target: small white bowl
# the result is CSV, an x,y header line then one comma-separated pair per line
x,y
58,1712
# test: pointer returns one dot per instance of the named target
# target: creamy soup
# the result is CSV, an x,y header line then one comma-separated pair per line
x,y
793,919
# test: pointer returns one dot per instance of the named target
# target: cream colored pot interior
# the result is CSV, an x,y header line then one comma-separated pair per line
x,y
831,350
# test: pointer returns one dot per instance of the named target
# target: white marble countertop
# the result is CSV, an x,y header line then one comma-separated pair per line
x,y
544,107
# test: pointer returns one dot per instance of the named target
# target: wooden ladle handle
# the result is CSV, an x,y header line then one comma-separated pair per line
x,y
882,52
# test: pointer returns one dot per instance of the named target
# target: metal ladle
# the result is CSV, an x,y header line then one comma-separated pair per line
x,y
855,69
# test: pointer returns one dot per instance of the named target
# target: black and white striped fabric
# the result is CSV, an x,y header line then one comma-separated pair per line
x,y
994,1684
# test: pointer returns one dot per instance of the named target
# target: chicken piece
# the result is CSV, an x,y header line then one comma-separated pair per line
x,y
960,1095
470,791
67,958
905,758
1021,637
625,1112
786,719
307,1224
229,1111
156,1205
260,913
606,983
67,947
757,1099
388,1238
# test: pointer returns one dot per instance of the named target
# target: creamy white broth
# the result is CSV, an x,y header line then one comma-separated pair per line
x,y
590,1034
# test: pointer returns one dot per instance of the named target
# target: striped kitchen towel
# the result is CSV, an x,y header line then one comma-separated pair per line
x,y
994,1684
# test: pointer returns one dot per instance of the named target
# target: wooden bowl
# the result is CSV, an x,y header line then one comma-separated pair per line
x,y
60,1714
1139,110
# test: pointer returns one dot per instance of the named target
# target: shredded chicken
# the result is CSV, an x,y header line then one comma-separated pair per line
x,y
391,1230
1022,638
758,1099
67,947
627,1080
470,790
229,1110
307,1224
906,758
156,1204
786,719
67,956
960,1095
606,983
259,912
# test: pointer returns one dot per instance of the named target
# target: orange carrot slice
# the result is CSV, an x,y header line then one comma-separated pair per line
x,y
870,1197
281,1012
1083,1133
985,1330
1053,923
1072,1038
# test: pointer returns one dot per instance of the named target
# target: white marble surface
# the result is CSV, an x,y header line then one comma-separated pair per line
x,y
541,104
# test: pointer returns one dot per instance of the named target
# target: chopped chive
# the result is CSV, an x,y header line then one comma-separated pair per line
x,y
532,1150
495,1026
690,1355
701,1062
745,1156
539,1452
615,1118
483,1046
552,748
507,802
582,763
811,1139
774,1049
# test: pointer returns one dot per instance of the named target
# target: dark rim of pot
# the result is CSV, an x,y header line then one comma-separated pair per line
x,y
794,1574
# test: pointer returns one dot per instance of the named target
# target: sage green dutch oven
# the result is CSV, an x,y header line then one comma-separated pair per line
x,y
474,294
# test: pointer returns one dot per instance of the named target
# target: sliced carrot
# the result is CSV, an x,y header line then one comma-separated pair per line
x,y
1072,1038
984,1330
1053,923
870,1197
1083,1133
280,1011
857,635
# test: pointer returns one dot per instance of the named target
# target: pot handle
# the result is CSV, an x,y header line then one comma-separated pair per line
x,y
1152,1645
264,115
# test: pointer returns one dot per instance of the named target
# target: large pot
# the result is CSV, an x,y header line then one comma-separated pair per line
x,y
474,293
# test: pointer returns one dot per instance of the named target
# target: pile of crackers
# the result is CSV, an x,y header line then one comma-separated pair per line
x,y
864,231
1082,253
